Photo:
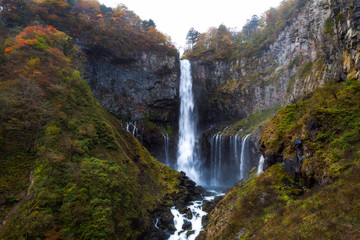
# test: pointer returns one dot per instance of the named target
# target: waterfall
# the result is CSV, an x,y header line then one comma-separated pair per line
x,y
236,149
229,159
195,220
131,128
218,167
261,164
242,161
187,159
166,146
216,157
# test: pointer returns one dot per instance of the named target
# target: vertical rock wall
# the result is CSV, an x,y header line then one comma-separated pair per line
x,y
321,44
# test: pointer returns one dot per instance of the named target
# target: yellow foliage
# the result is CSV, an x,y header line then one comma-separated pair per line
x,y
34,63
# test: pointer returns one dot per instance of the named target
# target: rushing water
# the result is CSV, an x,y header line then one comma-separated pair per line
x,y
187,159
196,220
131,128
244,147
261,165
229,159
166,146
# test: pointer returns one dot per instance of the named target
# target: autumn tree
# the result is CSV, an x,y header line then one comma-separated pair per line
x,y
14,12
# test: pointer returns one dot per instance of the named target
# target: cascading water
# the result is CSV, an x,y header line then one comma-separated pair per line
x,y
227,154
216,158
229,159
244,147
131,128
166,146
261,165
187,159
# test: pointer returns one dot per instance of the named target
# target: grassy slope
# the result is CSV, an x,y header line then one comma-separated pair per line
x,y
92,180
270,206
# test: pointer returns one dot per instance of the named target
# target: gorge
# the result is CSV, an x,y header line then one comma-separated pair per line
x,y
108,133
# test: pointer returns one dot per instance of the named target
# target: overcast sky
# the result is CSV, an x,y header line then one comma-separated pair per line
x,y
175,18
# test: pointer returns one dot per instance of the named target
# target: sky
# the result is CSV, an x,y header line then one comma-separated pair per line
x,y
175,18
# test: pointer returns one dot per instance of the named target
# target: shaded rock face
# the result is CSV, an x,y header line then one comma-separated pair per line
x,y
303,56
139,87
293,165
135,88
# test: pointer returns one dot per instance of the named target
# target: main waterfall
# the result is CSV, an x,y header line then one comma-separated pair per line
x,y
187,159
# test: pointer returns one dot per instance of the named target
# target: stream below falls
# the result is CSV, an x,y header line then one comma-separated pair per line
x,y
189,225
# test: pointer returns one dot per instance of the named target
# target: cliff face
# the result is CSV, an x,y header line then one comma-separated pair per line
x,y
321,44
146,86
137,88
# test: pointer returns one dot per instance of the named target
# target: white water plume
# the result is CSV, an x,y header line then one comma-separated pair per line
x,y
187,159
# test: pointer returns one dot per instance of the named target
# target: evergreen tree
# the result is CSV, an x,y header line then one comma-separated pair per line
x,y
192,36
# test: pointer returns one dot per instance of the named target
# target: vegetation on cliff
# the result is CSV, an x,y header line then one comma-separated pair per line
x,y
68,169
223,44
94,26
274,205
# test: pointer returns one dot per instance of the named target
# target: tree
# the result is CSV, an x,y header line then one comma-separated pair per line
x,y
148,24
250,27
104,9
192,36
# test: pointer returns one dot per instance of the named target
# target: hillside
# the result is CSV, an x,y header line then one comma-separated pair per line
x,y
132,68
310,188
68,169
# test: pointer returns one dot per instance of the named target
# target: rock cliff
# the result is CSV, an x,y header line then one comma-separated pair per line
x,y
140,87
320,44
146,86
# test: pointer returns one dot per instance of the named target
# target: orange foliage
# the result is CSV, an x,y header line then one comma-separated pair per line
x,y
28,52
30,36
118,29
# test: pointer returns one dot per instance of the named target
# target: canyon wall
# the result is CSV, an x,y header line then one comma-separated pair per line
x,y
319,45
146,86
143,91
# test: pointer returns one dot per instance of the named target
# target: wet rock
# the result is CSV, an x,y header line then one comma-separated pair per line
x,y
190,233
171,228
191,193
187,225
208,206
293,165
271,159
165,219
189,214
187,192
